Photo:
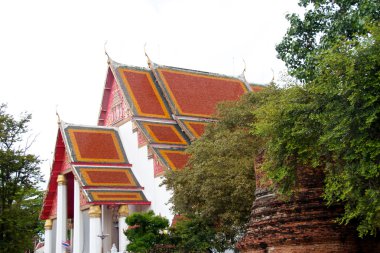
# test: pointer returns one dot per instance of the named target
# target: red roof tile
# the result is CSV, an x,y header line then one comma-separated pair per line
x,y
256,88
88,147
142,93
163,133
197,94
174,159
195,128
94,176
99,196
95,145
153,95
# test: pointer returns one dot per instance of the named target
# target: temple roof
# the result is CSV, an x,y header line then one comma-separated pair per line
x,y
163,133
97,158
118,196
194,128
172,106
142,92
196,94
94,144
174,158
256,87
105,176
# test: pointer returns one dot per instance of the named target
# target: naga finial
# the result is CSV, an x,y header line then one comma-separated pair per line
x,y
58,117
105,51
147,56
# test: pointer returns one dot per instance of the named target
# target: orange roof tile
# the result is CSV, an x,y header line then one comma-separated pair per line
x,y
193,128
172,106
94,144
96,176
116,196
174,158
98,159
163,133
196,94
256,88
141,92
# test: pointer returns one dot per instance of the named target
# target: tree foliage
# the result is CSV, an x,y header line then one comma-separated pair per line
x,y
146,230
20,198
218,184
329,121
323,24
332,122
193,234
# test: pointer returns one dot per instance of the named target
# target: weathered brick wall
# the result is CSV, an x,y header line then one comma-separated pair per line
x,y
300,224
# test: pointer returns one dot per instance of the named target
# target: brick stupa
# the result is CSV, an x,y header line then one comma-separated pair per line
x,y
300,224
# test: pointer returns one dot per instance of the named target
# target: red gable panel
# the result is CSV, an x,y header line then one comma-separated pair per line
x,y
48,205
113,108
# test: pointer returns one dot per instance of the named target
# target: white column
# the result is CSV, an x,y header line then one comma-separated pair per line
x,y
123,241
95,229
78,221
61,214
48,248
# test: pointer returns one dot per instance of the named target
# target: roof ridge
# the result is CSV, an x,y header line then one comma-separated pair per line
x,y
115,65
195,71
66,124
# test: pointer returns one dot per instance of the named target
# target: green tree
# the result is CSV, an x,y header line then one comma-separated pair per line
x,y
146,230
332,122
218,184
20,198
193,235
323,24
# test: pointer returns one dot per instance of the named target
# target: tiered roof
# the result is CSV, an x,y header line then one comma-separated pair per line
x,y
97,158
171,106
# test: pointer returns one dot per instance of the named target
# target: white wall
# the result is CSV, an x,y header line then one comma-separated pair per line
x,y
142,167
86,232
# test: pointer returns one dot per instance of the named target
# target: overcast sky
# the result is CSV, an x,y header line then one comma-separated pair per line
x,y
52,52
